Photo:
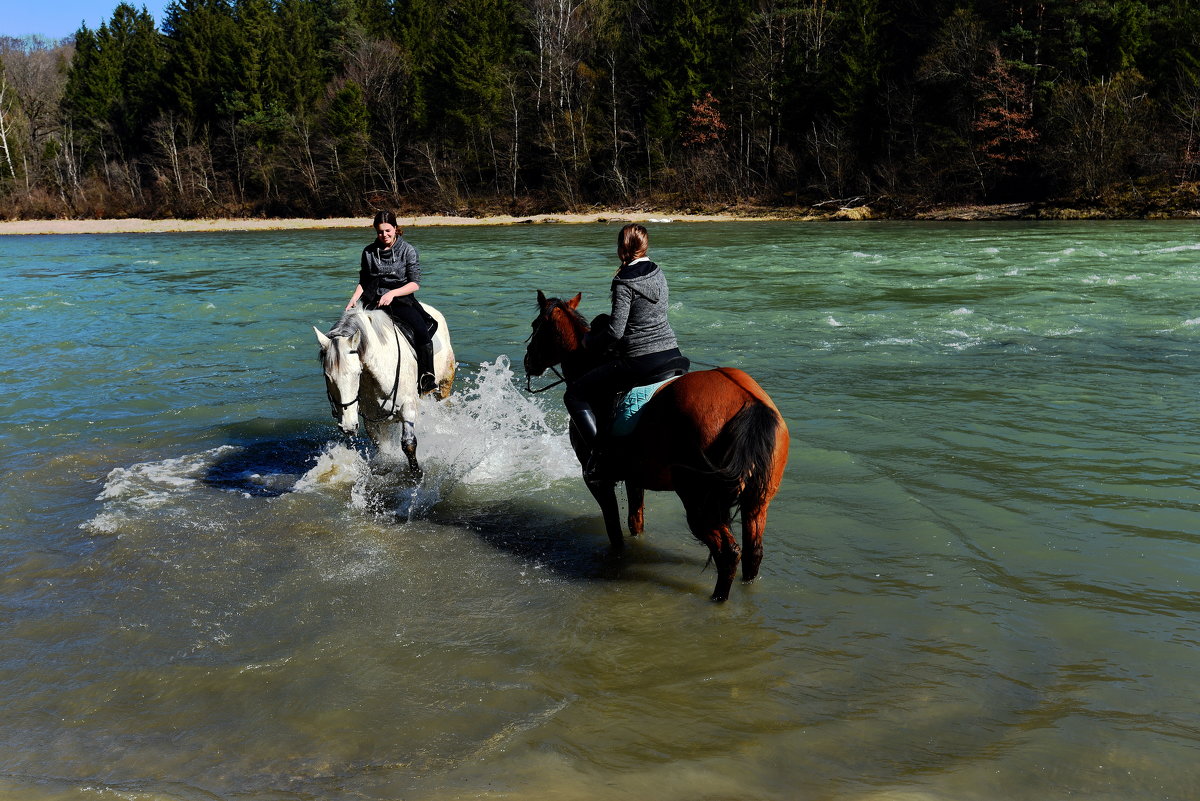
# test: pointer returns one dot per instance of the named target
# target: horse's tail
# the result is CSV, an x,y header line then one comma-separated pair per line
x,y
743,455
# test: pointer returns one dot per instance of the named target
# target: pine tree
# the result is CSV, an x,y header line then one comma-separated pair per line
x,y
114,81
203,70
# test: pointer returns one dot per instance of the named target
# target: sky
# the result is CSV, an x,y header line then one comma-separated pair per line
x,y
62,18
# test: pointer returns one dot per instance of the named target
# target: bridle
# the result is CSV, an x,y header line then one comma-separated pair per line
x,y
337,409
541,320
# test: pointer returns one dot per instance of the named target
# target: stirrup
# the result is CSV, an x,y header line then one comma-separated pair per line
x,y
426,383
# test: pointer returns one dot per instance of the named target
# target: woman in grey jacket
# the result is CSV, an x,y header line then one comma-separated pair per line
x,y
637,330
389,274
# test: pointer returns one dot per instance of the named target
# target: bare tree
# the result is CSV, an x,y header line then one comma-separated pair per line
x,y
7,112
33,71
1099,131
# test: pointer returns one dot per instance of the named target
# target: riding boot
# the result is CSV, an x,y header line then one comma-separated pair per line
x,y
426,381
585,423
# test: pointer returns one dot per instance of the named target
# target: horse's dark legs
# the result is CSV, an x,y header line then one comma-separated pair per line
x,y
408,441
637,508
726,554
711,526
605,493
754,522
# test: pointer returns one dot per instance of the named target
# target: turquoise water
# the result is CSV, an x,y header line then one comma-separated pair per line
x,y
979,580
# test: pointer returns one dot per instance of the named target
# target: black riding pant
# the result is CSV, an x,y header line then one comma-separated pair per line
x,y
616,376
412,316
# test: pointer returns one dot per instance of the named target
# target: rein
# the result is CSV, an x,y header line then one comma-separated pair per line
x,y
529,382
395,383
341,407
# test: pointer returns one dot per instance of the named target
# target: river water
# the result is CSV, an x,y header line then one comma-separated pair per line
x,y
980,578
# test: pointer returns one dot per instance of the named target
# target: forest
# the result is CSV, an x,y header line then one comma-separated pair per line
x,y
322,108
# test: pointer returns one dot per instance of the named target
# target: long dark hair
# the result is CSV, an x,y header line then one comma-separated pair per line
x,y
388,217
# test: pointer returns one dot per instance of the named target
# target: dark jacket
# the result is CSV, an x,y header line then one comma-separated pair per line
x,y
639,311
383,269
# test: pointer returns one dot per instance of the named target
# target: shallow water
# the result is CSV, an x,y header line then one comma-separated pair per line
x,y
980,573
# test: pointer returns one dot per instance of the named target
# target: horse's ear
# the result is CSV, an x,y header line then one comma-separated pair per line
x,y
322,339
355,340
541,300
574,302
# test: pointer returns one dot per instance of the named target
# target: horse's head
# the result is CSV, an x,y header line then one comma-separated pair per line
x,y
342,361
557,332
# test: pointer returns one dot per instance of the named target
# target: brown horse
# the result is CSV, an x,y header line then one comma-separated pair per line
x,y
714,437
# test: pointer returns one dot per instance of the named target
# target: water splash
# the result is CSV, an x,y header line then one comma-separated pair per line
x,y
488,434
131,492
491,432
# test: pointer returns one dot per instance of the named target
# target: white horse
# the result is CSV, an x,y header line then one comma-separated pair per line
x,y
371,372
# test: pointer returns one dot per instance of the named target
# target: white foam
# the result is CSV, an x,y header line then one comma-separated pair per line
x,y
129,491
959,312
488,433
832,322
336,465
152,483
491,432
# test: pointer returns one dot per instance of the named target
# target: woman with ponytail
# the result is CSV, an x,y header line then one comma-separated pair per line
x,y
636,332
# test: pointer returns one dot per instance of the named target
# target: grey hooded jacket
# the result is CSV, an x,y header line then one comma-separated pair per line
x,y
384,269
639,310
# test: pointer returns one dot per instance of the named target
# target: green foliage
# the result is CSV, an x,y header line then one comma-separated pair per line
x,y
314,105
114,82
686,51
204,51
473,62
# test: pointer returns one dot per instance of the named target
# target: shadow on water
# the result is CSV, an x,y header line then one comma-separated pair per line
x,y
270,456
571,546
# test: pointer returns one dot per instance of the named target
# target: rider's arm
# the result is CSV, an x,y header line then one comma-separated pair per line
x,y
358,290
622,297
407,289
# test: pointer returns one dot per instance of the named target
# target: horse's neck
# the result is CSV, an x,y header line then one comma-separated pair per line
x,y
385,357
580,360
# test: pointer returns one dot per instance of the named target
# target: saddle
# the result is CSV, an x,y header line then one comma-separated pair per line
x,y
405,329
628,405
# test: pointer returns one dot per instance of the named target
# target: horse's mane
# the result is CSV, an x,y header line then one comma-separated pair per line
x,y
574,314
350,324
347,326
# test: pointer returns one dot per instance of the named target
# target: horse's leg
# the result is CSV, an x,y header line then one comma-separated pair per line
x,y
637,507
605,493
754,512
724,550
709,523
408,441
754,522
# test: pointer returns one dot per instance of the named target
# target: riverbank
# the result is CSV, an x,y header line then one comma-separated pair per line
x,y
142,226
964,213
